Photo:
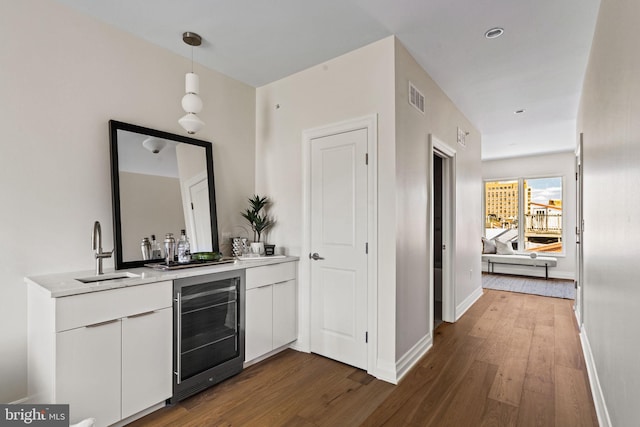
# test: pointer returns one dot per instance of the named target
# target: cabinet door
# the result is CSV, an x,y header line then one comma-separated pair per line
x,y
146,360
88,372
258,318
285,309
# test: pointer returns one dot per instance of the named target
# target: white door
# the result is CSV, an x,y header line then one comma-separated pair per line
x,y
339,240
200,219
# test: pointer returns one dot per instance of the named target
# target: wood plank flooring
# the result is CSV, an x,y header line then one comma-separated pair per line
x,y
511,360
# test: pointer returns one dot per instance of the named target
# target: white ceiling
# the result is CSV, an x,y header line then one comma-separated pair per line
x,y
537,65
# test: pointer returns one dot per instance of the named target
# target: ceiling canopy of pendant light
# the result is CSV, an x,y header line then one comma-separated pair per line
x,y
191,102
155,145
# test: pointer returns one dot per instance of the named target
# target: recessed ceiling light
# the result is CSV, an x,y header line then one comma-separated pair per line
x,y
520,111
494,32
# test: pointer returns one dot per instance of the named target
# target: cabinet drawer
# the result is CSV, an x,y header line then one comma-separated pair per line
x,y
270,274
95,307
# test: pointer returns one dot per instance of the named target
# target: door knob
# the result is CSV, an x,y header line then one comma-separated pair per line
x,y
314,256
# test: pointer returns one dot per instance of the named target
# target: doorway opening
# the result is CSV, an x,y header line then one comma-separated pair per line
x,y
442,226
437,240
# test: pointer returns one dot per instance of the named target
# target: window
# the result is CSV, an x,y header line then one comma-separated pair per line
x,y
526,212
501,210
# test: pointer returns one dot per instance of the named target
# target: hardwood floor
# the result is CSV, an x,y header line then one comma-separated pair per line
x,y
511,360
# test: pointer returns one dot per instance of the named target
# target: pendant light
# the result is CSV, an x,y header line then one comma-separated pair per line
x,y
191,102
155,145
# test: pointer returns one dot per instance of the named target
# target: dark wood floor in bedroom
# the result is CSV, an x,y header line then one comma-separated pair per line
x,y
511,360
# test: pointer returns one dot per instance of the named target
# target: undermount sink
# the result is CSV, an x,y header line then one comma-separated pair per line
x,y
105,277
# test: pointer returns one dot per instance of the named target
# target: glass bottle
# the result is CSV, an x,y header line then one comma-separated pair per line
x,y
156,251
184,248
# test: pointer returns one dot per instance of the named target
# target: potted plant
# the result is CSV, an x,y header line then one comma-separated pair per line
x,y
259,221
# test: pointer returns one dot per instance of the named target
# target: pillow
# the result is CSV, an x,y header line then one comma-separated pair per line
x,y
504,248
488,246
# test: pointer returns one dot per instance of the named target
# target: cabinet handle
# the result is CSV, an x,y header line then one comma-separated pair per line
x,y
95,325
146,313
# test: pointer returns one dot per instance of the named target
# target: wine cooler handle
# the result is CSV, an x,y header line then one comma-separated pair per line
x,y
178,302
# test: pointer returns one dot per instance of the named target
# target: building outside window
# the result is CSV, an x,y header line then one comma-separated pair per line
x,y
526,212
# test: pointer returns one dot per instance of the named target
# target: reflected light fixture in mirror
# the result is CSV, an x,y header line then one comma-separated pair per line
x,y
155,145
191,102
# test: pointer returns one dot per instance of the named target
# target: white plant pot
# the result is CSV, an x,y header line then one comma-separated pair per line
x,y
257,248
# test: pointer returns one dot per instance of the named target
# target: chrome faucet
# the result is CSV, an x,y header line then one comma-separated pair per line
x,y
96,242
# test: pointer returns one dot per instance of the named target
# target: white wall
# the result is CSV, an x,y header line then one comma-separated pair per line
x,y
557,164
413,180
373,80
63,76
610,119
353,85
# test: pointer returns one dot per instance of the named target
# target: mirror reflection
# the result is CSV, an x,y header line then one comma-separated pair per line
x,y
163,183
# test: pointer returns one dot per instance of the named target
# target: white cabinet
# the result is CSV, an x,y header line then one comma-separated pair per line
x,y
107,354
285,313
146,360
271,309
87,360
258,334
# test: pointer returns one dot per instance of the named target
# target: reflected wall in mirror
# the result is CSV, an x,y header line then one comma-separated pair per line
x,y
161,183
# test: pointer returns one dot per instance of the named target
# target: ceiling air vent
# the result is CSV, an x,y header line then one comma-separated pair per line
x,y
416,98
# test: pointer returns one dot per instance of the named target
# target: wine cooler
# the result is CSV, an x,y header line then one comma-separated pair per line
x,y
208,331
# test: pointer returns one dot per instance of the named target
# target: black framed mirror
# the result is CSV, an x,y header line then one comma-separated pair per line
x,y
160,183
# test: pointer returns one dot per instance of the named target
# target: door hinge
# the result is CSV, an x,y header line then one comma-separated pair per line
x,y
191,205
366,158
366,337
576,176
366,248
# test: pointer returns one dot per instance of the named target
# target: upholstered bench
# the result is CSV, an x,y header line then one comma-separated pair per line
x,y
541,261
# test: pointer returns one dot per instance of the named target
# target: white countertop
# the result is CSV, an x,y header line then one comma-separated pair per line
x,y
65,284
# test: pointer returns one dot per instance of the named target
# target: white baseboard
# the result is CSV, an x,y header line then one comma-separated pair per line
x,y
273,352
139,415
299,347
467,303
596,390
24,400
385,371
412,356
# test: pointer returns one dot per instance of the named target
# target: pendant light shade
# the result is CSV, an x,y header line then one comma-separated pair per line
x,y
191,123
191,102
191,83
155,145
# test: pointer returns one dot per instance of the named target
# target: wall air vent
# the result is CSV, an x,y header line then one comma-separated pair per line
x,y
416,98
